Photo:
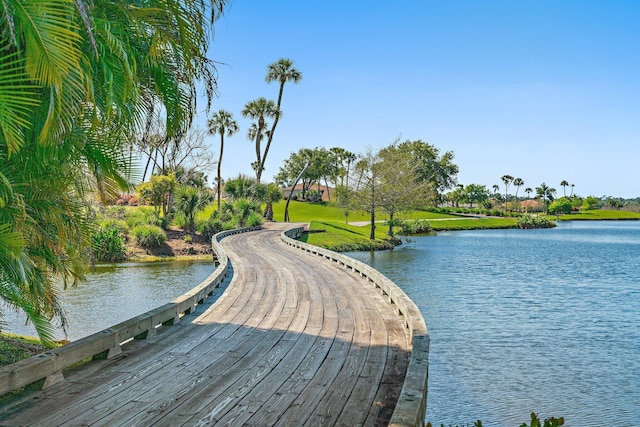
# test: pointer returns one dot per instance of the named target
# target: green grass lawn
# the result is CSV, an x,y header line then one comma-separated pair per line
x,y
323,211
600,214
341,237
473,224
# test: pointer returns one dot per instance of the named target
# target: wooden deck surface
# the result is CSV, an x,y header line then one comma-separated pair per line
x,y
294,340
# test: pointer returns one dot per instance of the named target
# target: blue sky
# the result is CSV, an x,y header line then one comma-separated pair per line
x,y
542,90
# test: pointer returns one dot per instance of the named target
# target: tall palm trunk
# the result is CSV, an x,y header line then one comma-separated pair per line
x,y
270,137
219,168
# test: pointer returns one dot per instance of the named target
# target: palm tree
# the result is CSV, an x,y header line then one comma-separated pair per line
x,y
260,109
527,190
495,187
518,182
572,186
547,195
191,200
507,179
281,71
272,194
222,122
76,80
564,184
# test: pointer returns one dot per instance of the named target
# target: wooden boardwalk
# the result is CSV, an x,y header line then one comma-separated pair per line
x,y
294,340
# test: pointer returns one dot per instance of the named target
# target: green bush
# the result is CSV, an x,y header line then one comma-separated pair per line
x,y
108,244
414,226
209,227
118,224
115,212
179,220
188,238
528,222
254,219
148,236
143,215
561,206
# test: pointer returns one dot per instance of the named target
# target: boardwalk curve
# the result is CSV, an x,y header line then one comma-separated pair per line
x,y
294,340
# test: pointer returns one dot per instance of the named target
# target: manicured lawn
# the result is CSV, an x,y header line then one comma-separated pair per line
x,y
342,237
323,211
600,214
473,224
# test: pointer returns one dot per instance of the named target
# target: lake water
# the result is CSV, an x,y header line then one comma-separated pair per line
x,y
116,292
528,320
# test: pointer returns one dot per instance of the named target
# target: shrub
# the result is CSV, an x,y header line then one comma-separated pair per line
x,y
209,227
107,244
528,222
414,226
188,238
143,215
116,212
179,220
118,224
561,206
313,196
253,220
148,236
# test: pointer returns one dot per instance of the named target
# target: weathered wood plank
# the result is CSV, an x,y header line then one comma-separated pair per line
x,y
295,339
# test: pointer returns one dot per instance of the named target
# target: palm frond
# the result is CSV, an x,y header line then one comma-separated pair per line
x,y
17,99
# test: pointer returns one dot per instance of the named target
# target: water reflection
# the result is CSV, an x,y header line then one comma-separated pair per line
x,y
116,292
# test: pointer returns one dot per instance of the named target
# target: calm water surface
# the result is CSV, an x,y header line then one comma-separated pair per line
x,y
528,320
116,292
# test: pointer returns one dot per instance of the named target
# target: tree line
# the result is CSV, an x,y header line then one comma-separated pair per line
x,y
404,175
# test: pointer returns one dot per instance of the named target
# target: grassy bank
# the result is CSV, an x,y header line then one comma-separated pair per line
x,y
600,215
14,348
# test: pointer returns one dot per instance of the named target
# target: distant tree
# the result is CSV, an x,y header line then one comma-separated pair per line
x,y
322,164
590,202
281,71
221,123
564,184
476,193
181,152
367,194
158,191
360,168
399,185
507,179
572,187
615,203
344,159
518,182
261,110
436,170
527,190
496,187
560,206
457,195
547,195
297,164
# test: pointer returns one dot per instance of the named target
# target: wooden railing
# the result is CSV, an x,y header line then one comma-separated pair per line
x,y
106,343
412,403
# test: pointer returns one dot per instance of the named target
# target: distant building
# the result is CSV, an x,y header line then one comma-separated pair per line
x,y
325,191
531,206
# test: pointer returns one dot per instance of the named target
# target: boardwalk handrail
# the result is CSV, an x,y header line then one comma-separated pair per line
x,y
106,343
412,404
